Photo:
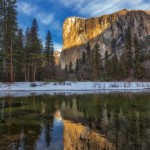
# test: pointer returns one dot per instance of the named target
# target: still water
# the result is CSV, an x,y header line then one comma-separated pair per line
x,y
114,121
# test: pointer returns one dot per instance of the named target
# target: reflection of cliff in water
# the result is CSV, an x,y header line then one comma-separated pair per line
x,y
110,122
121,127
113,129
79,137
71,111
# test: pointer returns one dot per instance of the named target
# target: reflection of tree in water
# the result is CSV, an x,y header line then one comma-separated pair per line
x,y
104,122
21,143
126,126
124,130
46,124
44,139
43,105
2,109
123,123
47,130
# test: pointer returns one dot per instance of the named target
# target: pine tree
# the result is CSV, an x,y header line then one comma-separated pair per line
x,y
52,58
49,50
83,57
139,70
66,68
96,59
18,56
48,47
77,65
49,54
27,55
35,50
111,66
115,67
122,72
107,67
10,30
1,64
88,56
128,58
8,25
2,37
70,67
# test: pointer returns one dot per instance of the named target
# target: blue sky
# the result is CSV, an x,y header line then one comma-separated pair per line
x,y
51,14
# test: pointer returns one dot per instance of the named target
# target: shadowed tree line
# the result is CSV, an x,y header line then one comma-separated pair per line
x,y
91,65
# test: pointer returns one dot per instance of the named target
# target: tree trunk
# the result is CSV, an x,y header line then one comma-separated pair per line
x,y
28,76
32,71
11,64
25,73
34,74
14,77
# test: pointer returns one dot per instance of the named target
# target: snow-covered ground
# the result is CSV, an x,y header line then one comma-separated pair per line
x,y
66,93
73,86
68,88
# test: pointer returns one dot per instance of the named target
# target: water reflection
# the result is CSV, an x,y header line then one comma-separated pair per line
x,y
51,136
124,131
90,122
57,135
44,138
21,143
70,110
2,109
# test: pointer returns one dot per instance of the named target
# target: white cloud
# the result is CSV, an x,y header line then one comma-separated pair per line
x,y
99,7
26,8
45,19
33,10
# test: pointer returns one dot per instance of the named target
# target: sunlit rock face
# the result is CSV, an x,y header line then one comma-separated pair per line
x,y
108,31
57,56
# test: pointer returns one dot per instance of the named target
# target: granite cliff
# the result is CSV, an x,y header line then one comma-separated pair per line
x,y
108,31
57,56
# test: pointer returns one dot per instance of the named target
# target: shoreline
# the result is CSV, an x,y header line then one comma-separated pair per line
x,y
73,86
20,89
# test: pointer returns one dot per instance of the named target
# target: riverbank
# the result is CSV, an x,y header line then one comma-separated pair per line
x,y
73,86
19,89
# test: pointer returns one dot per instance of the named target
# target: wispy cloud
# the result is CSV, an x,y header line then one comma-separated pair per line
x,y
45,18
26,8
33,10
99,7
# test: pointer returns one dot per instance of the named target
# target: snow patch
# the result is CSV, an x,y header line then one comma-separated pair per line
x,y
75,86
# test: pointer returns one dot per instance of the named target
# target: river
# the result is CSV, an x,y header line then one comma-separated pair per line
x,y
101,121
